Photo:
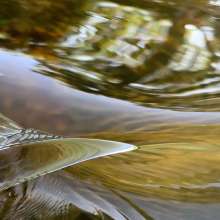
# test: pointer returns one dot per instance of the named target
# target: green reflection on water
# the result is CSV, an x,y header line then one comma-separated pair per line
x,y
164,54
155,54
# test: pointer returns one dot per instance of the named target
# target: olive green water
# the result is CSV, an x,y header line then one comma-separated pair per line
x,y
142,72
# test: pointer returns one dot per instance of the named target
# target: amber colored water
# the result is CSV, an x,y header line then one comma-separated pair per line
x,y
143,72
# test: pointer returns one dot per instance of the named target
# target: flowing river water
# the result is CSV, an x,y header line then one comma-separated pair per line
x,y
143,72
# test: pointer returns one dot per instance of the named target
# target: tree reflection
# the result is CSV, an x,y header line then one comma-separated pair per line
x,y
149,52
24,23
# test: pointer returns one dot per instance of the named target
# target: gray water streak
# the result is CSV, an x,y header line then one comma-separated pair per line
x,y
86,107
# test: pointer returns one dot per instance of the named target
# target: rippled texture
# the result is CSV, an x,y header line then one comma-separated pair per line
x,y
32,160
28,154
139,72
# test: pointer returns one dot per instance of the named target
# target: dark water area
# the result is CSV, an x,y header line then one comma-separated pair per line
x,y
141,72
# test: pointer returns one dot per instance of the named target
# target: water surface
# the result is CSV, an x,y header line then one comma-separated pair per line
x,y
142,72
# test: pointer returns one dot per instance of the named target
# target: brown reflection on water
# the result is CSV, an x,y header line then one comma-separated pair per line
x,y
143,72
37,101
158,54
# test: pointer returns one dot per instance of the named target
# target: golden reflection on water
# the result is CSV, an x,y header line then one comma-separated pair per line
x,y
140,72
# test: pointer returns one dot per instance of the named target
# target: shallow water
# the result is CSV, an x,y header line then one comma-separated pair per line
x,y
141,72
